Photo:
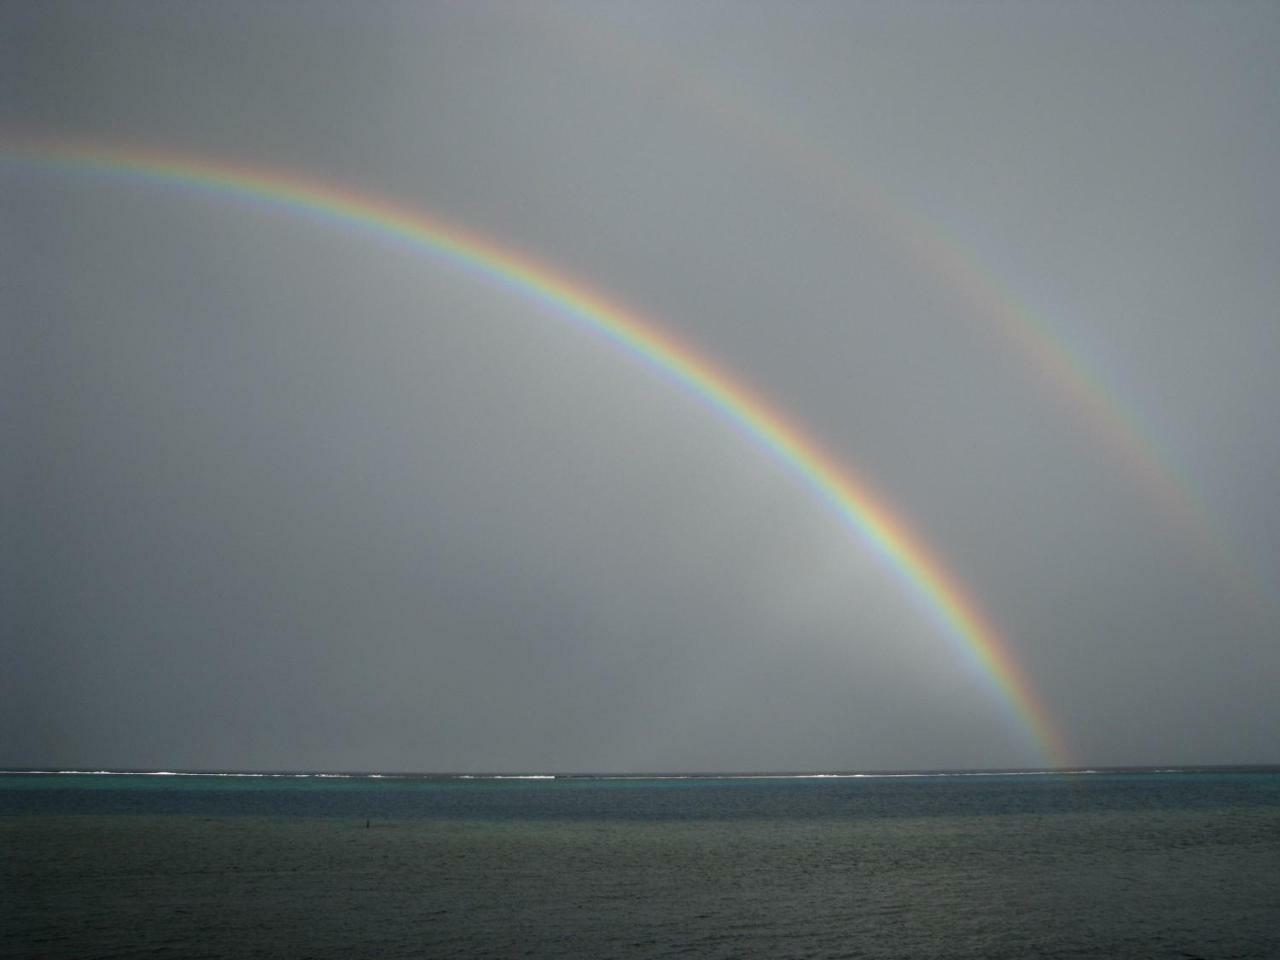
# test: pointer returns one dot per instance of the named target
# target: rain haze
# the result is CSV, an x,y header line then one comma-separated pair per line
x,y
280,492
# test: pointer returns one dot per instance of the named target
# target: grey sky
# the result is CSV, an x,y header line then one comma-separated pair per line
x,y
276,496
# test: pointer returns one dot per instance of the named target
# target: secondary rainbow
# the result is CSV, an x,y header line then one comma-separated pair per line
x,y
937,590
1045,352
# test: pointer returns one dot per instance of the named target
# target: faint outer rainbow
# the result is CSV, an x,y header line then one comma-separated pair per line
x,y
1054,364
935,588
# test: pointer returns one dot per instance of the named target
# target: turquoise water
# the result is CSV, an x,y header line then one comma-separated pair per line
x,y
1119,864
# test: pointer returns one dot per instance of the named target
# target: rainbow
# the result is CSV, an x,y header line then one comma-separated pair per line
x,y
1059,368
931,585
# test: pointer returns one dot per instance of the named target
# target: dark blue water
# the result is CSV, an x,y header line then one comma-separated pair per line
x,y
1115,864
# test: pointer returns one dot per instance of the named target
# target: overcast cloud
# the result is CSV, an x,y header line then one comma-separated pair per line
x,y
276,495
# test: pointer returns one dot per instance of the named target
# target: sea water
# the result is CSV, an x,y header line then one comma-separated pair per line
x,y
1175,864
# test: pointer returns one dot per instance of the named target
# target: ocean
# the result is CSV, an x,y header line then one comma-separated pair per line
x,y
1135,863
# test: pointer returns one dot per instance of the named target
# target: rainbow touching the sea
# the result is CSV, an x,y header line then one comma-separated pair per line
x,y
934,588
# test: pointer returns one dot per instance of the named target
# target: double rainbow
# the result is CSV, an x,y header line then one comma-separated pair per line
x,y
1044,350
936,589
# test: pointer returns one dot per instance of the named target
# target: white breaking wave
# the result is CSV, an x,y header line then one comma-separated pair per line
x,y
506,776
195,773
521,776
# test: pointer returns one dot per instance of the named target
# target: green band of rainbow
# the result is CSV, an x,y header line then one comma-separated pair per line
x,y
932,586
